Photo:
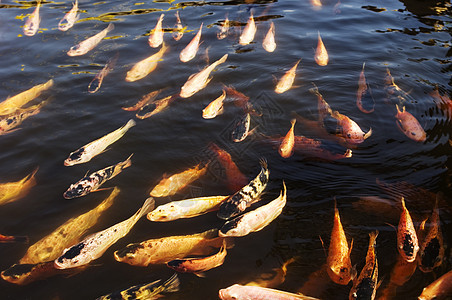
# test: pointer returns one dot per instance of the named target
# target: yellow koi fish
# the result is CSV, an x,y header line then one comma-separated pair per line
x,y
287,145
285,83
9,122
156,38
214,108
12,191
142,68
224,29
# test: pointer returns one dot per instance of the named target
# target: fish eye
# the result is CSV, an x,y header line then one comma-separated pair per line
x,y
343,270
349,135
75,48
413,133
76,154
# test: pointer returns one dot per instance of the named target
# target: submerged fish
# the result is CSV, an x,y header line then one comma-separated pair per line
x,y
92,182
241,100
51,246
409,125
189,52
94,246
364,94
365,286
322,106
90,150
269,43
254,220
248,195
12,191
146,291
10,105
91,42
242,128
11,121
171,185
69,18
178,33
13,239
32,23
321,55
400,274
156,38
249,31
407,242
285,83
187,208
243,292
439,289
198,81
272,279
287,145
350,130
143,101
163,250
155,107
224,29
95,84
214,108
142,68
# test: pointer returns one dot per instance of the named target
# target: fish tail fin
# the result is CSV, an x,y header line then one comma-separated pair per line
x,y
164,48
127,163
222,59
293,121
109,200
315,90
351,247
323,246
348,153
229,242
264,164
368,134
129,125
110,27
403,203
31,176
364,64
288,262
148,205
172,284
373,238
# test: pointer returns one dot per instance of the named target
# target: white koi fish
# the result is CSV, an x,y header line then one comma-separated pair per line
x,y
189,52
93,246
156,38
32,23
248,33
91,42
87,152
142,68
269,43
69,18
178,33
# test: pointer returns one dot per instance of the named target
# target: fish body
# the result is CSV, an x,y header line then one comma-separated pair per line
x,y
155,107
12,191
224,29
90,150
146,291
163,250
51,246
393,92
189,52
365,287
156,38
287,145
171,185
242,128
31,25
248,33
322,106
321,55
142,68
269,43
93,246
441,288
9,122
91,42
10,105
350,130
187,208
143,101
431,251
286,82
13,239
409,125
339,265
364,93
95,84
69,18
254,220
198,81
246,196
241,100
243,292
93,181
274,278
178,34
314,148
235,178
214,108
407,242
199,265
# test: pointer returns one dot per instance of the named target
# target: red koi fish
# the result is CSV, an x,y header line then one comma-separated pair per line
x,y
409,125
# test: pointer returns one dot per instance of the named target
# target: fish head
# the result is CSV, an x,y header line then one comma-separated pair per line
x,y
77,157
231,228
231,207
163,214
178,265
408,247
341,274
76,50
71,257
128,252
364,290
78,189
431,255
231,293
17,273
186,92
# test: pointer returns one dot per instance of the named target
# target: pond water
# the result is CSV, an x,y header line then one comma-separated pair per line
x,y
411,39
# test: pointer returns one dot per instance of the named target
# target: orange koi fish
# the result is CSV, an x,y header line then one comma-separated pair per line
x,y
95,84
155,107
240,99
178,33
69,18
156,38
316,4
287,145
269,43
323,107
13,239
409,125
144,100
441,288
350,130
407,242
400,274
32,23
285,83
248,33
431,252
321,55
191,49
364,93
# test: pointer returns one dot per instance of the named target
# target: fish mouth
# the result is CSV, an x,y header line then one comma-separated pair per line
x,y
70,195
68,163
128,251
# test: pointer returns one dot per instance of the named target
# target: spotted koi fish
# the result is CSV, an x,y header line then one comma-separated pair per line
x,y
407,242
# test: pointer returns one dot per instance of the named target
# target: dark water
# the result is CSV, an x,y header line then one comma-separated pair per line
x,y
411,38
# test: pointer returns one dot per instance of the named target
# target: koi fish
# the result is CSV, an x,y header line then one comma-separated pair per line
x,y
144,100
442,101
287,145
248,195
235,178
9,122
155,107
254,220
187,208
431,252
242,128
269,43
156,38
13,239
243,292
224,29
95,84
441,288
285,83
409,125
323,107
142,68
191,49
274,278
169,186
69,18
199,265
214,108
10,105
90,150
51,246
407,242
178,34
321,55
163,250
94,245
198,81
248,33
400,274
365,287
12,191
316,4
91,42
339,265
146,291
364,93
93,182
350,130
393,91
31,25
240,99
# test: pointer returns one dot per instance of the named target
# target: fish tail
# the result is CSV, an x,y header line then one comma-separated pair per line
x,y
284,266
348,153
172,284
128,125
148,205
110,27
373,238
31,176
264,163
109,201
127,163
403,203
221,60
164,48
315,90
368,134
